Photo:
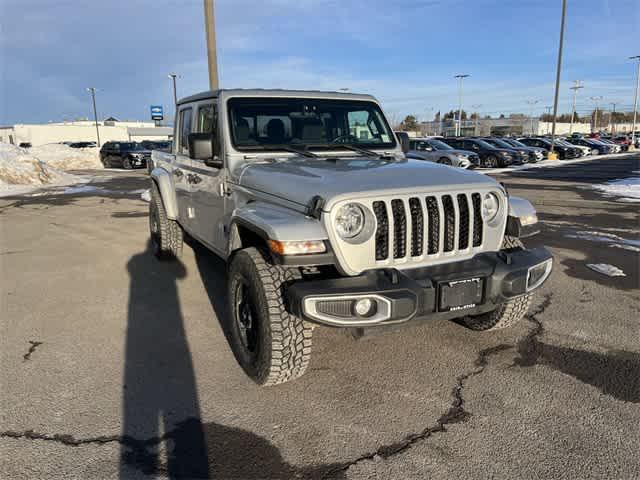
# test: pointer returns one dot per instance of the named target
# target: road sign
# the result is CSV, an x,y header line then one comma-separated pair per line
x,y
156,112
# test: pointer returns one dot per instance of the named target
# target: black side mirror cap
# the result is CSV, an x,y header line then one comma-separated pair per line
x,y
404,141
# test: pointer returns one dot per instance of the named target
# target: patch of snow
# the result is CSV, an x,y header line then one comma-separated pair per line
x,y
63,157
21,172
82,189
146,195
626,188
606,269
612,239
631,248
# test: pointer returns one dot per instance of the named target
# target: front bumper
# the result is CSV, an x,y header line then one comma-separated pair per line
x,y
445,291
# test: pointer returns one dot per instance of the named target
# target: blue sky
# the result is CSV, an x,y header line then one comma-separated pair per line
x,y
403,51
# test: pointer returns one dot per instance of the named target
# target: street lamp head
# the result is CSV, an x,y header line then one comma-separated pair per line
x,y
636,57
462,75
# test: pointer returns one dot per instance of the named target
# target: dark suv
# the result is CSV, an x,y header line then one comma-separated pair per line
x,y
564,153
124,154
490,156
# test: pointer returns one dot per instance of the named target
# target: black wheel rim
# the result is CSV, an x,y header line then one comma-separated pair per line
x,y
245,318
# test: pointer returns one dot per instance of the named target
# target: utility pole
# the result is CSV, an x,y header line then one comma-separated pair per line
x,y
575,88
548,108
595,120
635,102
532,104
613,117
477,114
460,77
210,27
552,154
92,91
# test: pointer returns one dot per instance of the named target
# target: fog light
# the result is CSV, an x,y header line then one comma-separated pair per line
x,y
538,274
365,307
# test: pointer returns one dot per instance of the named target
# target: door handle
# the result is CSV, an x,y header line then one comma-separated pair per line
x,y
178,173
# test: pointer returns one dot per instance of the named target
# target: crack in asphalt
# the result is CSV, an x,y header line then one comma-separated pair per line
x,y
32,348
529,347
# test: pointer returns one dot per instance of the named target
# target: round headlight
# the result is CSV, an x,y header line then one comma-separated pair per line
x,y
349,220
490,206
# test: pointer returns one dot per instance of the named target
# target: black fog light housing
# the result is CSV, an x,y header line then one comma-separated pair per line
x,y
365,307
537,274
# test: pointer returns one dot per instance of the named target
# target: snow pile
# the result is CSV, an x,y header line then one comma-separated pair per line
x,y
64,157
626,188
146,195
19,167
612,239
606,269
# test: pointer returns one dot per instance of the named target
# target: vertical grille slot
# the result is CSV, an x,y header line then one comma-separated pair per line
x,y
417,233
463,234
399,229
382,232
433,217
449,223
477,220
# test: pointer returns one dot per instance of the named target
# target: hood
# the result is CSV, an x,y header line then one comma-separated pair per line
x,y
468,153
299,179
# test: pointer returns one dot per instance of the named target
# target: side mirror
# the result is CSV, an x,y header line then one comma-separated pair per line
x,y
201,147
404,141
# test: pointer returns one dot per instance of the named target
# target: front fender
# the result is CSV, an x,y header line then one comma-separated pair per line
x,y
523,220
165,185
278,223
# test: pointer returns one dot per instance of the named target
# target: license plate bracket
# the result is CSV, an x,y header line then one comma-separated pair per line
x,y
460,294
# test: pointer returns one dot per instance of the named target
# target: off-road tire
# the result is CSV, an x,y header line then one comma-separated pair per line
x,y
167,239
508,313
283,345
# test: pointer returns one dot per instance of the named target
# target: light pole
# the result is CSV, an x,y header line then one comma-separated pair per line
x,y
210,27
575,88
477,114
552,154
595,120
92,91
461,78
635,102
532,104
613,117
427,109
173,77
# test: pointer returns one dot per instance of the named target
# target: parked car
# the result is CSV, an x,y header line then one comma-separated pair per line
x,y
538,153
322,226
82,144
584,150
564,152
615,147
25,145
623,141
164,145
124,154
437,151
521,155
490,156
592,143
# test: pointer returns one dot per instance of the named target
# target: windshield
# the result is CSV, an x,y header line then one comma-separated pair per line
x,y
499,143
484,144
438,145
273,123
515,143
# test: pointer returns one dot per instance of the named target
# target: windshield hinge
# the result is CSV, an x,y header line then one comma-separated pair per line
x,y
314,208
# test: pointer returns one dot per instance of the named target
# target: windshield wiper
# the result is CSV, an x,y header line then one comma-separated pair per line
x,y
288,148
363,151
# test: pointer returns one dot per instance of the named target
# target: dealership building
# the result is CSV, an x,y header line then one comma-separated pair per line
x,y
83,131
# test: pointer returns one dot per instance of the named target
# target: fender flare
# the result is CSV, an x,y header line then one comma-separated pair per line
x,y
162,178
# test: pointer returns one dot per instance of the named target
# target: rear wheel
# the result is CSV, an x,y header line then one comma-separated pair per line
x,y
271,345
508,313
106,162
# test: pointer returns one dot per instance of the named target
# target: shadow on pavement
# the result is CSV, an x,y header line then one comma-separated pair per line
x,y
161,409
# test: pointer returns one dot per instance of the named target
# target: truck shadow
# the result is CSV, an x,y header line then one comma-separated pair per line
x,y
162,430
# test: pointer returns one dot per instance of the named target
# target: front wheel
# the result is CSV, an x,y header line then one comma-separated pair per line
x,y
271,345
445,161
508,313
491,162
126,164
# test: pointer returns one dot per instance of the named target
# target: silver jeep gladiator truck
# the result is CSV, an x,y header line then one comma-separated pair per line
x,y
322,220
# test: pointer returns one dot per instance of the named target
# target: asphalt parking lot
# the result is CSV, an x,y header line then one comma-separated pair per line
x,y
114,364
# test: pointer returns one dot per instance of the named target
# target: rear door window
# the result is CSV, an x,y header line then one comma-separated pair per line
x,y
185,130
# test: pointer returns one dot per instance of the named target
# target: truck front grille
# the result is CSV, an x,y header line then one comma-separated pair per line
x,y
432,225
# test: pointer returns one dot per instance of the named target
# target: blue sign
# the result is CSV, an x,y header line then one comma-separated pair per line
x,y
156,112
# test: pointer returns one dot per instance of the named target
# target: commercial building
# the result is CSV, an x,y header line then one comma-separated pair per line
x,y
83,131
